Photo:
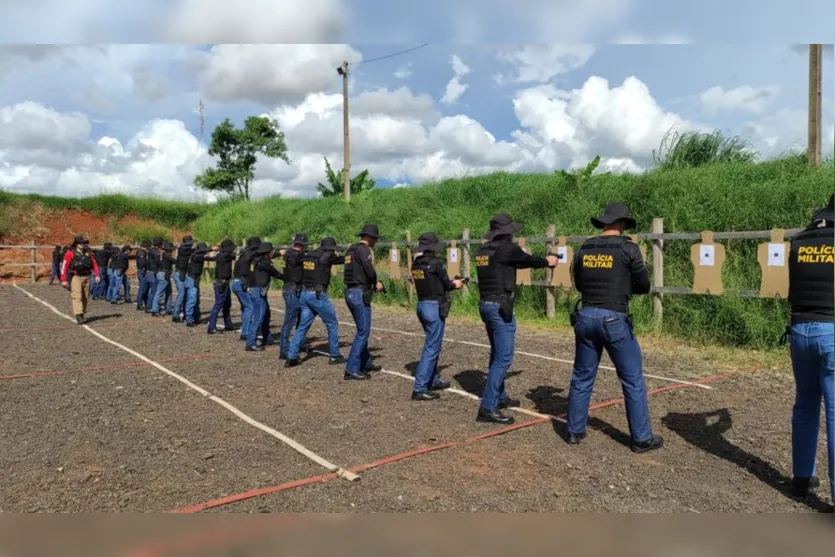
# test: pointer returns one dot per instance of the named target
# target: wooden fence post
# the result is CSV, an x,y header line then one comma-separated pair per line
x,y
658,271
550,300
410,286
34,250
465,258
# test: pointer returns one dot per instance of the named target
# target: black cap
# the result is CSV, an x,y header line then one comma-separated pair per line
x,y
370,230
253,243
502,225
429,241
826,213
265,248
227,245
613,213
300,240
329,244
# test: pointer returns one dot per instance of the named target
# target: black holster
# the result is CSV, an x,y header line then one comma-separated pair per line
x,y
221,284
506,307
444,306
367,296
786,335
575,315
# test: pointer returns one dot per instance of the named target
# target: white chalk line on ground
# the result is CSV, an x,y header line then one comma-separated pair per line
x,y
278,435
521,353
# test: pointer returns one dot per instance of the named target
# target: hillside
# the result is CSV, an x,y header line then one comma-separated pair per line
x,y
719,197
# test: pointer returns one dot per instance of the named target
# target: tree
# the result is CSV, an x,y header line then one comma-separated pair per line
x,y
237,151
361,183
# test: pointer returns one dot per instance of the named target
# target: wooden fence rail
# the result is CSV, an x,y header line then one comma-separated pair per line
x,y
655,258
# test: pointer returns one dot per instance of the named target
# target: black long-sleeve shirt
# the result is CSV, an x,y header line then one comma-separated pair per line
x,y
121,261
360,272
166,263
263,272
223,264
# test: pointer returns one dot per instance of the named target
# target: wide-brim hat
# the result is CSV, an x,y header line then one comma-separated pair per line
x,y
826,213
126,248
188,240
201,247
158,241
79,240
168,246
329,244
371,230
108,245
429,241
300,240
265,248
613,213
501,225
227,246
253,242
145,243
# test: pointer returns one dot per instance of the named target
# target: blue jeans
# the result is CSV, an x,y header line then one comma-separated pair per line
x,y
150,289
433,326
117,280
143,289
312,305
260,317
595,330
359,358
502,336
292,316
223,302
812,347
246,305
98,290
56,273
161,294
180,300
192,300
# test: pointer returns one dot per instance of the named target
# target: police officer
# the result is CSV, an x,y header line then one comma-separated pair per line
x,y
223,298
314,300
57,258
608,270
811,332
261,275
293,285
80,263
496,264
240,282
195,271
181,272
141,268
361,283
162,296
433,286
118,269
103,256
152,262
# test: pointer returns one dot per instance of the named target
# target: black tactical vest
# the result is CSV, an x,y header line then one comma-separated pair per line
x,y
293,275
354,273
195,264
81,263
494,280
183,257
141,260
428,286
315,270
811,275
604,281
152,260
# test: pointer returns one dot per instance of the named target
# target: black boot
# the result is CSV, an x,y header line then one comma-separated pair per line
x,y
79,319
356,376
575,438
425,395
656,442
801,487
493,416
256,348
336,360
292,362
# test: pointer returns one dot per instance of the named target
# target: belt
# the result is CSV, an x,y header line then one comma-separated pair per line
x,y
495,298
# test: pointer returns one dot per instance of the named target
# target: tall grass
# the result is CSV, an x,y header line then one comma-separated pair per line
x,y
695,149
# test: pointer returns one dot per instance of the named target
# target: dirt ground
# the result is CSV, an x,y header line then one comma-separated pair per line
x,y
90,427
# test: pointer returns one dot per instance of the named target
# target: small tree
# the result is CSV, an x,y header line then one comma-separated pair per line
x,y
360,183
237,151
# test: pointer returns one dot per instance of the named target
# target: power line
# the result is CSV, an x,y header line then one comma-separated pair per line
x,y
391,55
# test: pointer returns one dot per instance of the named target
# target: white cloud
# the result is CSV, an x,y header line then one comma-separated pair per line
x,y
745,97
454,89
638,38
29,126
538,63
784,131
254,21
272,74
404,71
400,102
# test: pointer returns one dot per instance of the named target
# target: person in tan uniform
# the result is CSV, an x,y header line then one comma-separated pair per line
x,y
77,268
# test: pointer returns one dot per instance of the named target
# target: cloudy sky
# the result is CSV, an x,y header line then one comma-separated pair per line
x,y
83,120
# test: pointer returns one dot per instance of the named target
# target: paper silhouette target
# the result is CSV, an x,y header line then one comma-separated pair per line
x,y
707,259
394,262
773,259
453,260
561,275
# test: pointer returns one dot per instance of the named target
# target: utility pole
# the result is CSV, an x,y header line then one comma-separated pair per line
x,y
815,77
346,138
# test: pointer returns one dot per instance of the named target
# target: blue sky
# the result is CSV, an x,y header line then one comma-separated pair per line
x,y
79,120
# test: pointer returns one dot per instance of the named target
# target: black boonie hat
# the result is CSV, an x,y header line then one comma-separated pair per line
x,y
201,247
826,213
300,240
108,245
371,230
145,243
168,246
265,248
126,248
429,241
227,246
501,225
253,242
613,213
79,240
158,241
329,244
188,240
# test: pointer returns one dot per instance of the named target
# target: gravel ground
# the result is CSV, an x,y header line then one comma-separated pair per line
x,y
130,438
